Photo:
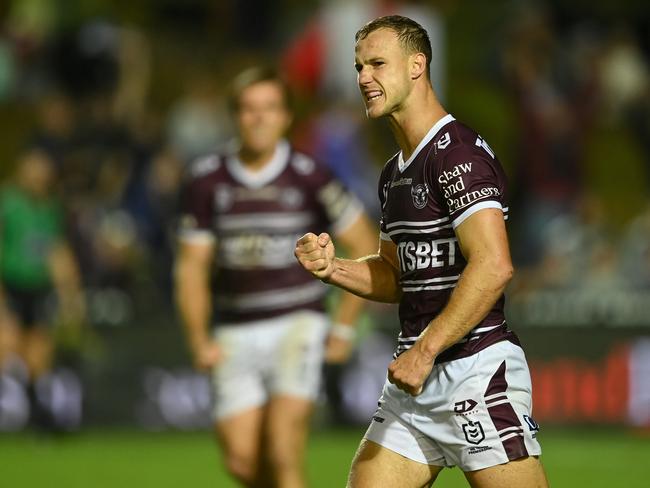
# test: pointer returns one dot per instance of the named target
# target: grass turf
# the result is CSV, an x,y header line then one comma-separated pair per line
x,y
131,459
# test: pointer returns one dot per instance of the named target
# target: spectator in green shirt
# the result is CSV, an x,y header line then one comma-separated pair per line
x,y
39,279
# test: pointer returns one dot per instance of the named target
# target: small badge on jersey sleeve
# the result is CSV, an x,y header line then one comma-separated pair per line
x,y
420,194
223,197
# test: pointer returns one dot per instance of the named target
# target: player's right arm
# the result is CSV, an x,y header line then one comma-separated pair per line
x,y
374,277
192,278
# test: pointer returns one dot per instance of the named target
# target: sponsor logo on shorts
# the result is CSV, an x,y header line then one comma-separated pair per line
x,y
474,433
532,425
379,419
464,406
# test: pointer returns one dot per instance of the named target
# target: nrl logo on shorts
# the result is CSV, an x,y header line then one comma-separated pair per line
x,y
420,193
474,433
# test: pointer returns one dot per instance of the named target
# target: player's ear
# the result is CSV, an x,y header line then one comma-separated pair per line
x,y
418,65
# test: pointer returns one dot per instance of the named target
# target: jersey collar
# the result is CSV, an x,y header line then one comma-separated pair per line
x,y
257,179
401,164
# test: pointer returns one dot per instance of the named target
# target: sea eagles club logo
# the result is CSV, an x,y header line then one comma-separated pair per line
x,y
420,193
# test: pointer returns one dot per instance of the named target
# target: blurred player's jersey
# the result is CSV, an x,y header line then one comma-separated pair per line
x,y
255,219
29,229
452,174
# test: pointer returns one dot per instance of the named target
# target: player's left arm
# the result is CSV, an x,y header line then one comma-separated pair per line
x,y
484,243
359,239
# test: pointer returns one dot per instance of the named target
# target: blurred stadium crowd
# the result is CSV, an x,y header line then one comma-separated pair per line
x,y
118,98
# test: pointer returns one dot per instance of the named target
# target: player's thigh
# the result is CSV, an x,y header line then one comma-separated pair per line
x,y
524,472
298,355
10,334
287,427
239,436
238,379
38,348
375,466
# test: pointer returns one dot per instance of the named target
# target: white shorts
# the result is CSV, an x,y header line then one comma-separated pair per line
x,y
473,413
278,356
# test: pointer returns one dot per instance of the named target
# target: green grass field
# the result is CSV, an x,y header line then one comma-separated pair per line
x,y
130,459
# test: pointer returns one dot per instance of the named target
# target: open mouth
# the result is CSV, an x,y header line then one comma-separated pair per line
x,y
373,95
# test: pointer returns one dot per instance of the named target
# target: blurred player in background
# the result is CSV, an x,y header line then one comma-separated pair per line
x,y
458,391
39,279
241,214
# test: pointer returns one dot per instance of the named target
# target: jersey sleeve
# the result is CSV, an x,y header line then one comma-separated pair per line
x,y
383,197
196,210
470,179
338,205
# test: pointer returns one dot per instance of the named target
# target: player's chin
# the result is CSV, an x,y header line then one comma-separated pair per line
x,y
374,112
260,143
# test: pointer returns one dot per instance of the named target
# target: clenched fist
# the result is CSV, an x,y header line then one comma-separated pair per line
x,y
316,254
410,370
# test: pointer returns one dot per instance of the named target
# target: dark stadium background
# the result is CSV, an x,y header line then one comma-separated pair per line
x,y
123,94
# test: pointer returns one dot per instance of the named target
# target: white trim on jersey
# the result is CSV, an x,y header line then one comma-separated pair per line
x,y
419,231
469,338
401,164
384,237
348,216
428,287
258,179
409,223
407,339
197,236
273,299
475,208
480,330
204,165
264,220
242,262
431,280
477,332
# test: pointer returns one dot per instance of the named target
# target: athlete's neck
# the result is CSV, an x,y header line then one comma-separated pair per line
x,y
414,120
256,160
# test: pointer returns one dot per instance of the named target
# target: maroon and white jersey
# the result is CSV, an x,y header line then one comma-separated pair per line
x,y
452,174
255,219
